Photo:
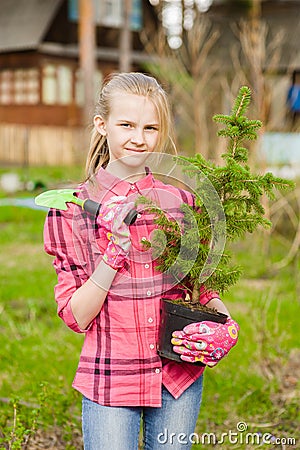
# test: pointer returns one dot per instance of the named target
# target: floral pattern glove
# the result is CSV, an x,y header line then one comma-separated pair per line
x,y
207,342
111,218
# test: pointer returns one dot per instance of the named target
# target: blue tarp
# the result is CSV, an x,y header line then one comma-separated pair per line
x,y
293,98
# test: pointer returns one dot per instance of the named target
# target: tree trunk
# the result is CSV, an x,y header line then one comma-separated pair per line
x,y
195,294
125,45
87,56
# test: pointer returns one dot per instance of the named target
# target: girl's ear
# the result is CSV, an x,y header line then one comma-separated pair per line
x,y
100,125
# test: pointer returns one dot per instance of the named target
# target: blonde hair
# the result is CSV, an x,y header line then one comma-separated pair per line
x,y
130,83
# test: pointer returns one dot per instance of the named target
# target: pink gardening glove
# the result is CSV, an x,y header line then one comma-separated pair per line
x,y
111,218
207,342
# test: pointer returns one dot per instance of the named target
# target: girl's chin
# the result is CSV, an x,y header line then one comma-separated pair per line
x,y
134,159
129,161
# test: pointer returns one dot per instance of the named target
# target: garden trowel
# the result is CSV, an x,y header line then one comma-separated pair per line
x,y
58,199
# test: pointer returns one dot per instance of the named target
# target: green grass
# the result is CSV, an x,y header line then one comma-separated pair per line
x,y
256,384
36,348
253,384
50,175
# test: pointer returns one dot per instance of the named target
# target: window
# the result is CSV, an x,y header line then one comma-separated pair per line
x,y
6,87
57,84
64,85
136,15
109,13
20,86
61,84
49,85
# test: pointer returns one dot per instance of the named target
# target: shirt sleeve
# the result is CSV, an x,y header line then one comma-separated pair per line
x,y
206,296
67,247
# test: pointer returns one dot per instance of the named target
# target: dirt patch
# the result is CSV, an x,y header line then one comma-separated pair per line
x,y
290,379
54,440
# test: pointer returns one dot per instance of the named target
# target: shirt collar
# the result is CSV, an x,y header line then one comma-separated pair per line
x,y
117,186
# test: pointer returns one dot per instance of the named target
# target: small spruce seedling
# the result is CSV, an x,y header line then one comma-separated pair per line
x,y
238,209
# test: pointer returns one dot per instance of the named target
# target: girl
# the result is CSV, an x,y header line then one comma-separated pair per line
x,y
109,290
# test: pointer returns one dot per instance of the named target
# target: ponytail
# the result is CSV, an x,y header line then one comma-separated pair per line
x,y
98,155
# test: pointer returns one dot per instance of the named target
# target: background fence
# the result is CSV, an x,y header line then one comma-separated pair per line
x,y
42,145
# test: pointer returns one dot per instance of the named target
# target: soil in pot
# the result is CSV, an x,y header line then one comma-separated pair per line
x,y
175,316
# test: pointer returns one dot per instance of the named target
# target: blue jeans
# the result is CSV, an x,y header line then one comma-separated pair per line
x,y
167,428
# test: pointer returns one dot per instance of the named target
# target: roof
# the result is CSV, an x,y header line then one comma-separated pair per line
x,y
23,23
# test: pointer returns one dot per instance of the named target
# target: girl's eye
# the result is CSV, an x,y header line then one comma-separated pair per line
x,y
152,128
126,125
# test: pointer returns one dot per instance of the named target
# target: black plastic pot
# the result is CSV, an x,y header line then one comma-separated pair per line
x,y
175,317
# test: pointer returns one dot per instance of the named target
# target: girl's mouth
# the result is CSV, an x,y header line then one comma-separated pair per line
x,y
136,150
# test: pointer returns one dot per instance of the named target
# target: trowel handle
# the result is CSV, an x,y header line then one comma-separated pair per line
x,y
94,208
91,207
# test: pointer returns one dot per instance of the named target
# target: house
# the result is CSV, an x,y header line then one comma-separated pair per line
x,y
41,87
40,81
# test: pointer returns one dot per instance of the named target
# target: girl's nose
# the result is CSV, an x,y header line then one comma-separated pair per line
x,y
138,136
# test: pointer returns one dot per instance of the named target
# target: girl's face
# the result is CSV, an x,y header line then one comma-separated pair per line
x,y
131,129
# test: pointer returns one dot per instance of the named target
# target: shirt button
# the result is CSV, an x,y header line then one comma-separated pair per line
x,y
147,266
148,293
152,346
132,187
157,370
150,320
143,238
139,216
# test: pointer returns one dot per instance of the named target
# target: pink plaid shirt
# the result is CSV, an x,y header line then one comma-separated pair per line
x,y
119,364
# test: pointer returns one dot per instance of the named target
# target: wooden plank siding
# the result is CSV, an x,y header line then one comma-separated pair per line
x,y
42,145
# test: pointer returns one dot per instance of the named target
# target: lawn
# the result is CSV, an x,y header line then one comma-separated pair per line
x,y
251,397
